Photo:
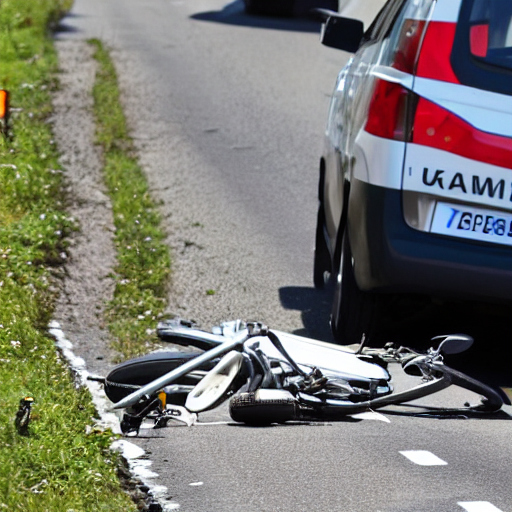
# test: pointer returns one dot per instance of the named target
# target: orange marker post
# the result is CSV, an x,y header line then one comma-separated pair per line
x,y
4,110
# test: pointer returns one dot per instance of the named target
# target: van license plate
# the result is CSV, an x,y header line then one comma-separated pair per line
x,y
473,223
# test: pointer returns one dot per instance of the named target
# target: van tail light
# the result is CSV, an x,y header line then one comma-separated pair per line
x,y
392,107
434,60
439,128
408,45
398,114
387,114
436,42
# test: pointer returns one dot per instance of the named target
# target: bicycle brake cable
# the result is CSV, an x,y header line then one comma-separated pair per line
x,y
277,343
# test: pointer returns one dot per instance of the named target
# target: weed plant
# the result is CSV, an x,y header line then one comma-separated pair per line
x,y
61,463
143,261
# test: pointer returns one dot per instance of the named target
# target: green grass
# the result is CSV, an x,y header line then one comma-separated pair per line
x,y
143,258
61,465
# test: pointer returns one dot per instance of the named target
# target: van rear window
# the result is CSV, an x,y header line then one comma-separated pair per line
x,y
482,50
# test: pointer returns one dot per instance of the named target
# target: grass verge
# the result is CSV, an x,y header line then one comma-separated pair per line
x,y
60,462
143,261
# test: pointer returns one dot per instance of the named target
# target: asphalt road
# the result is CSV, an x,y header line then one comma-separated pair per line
x,y
228,113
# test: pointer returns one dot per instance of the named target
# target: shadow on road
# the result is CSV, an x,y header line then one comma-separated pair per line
x,y
65,28
412,322
315,306
233,14
490,357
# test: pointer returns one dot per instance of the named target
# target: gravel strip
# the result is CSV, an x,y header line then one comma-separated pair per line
x,y
86,286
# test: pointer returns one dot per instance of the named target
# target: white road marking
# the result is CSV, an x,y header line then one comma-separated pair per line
x,y
204,423
478,506
423,458
371,415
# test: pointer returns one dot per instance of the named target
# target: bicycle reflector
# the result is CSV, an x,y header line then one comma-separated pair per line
x,y
4,110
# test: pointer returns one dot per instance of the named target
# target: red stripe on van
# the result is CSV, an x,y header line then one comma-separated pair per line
x,y
441,129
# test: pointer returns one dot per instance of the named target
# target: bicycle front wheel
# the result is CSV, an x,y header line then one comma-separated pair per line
x,y
492,400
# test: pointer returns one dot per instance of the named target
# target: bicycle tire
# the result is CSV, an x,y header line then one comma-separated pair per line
x,y
259,409
131,375
448,376
492,401
263,407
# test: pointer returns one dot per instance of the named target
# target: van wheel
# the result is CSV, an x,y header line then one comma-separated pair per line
x,y
352,310
322,259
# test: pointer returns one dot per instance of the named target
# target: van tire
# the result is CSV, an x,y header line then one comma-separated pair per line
x,y
353,309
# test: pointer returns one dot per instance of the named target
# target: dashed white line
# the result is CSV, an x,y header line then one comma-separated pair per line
x,y
478,506
423,458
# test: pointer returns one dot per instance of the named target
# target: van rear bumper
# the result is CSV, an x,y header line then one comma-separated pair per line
x,y
390,256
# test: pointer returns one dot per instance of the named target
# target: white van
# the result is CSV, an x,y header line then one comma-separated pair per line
x,y
415,191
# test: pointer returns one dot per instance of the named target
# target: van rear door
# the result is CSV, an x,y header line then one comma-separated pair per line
x,y
457,176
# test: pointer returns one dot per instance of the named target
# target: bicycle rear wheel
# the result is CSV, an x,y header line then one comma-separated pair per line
x,y
135,373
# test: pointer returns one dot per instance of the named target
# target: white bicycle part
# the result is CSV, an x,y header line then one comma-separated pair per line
x,y
217,385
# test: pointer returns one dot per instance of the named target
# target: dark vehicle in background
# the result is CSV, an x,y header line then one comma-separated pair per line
x,y
279,7
415,187
287,7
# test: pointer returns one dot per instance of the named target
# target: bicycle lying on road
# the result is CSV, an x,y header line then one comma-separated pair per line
x,y
275,377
